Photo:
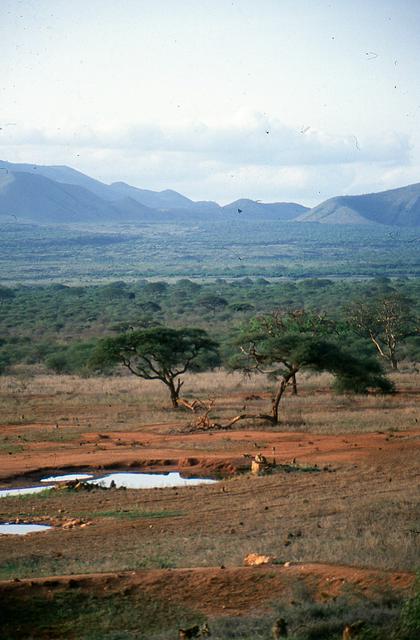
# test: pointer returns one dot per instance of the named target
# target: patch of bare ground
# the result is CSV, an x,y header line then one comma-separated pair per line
x,y
341,515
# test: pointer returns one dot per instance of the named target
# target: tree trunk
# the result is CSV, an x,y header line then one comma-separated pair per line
x,y
174,391
294,385
394,362
276,400
392,348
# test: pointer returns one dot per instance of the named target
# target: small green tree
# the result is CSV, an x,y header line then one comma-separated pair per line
x,y
281,344
159,353
212,302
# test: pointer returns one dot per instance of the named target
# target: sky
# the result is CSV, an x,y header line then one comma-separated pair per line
x,y
275,100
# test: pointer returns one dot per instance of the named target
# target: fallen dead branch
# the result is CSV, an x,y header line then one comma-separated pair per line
x,y
204,422
192,405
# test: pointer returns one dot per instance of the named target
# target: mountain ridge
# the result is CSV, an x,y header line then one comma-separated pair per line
x,y
393,207
272,210
39,199
61,194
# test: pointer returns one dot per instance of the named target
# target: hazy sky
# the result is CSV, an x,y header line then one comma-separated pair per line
x,y
219,99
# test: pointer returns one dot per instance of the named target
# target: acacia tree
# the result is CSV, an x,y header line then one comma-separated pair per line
x,y
212,302
159,353
281,344
386,321
6,293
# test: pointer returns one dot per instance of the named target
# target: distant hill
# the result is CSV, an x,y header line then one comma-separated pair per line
x,y
167,199
59,194
38,199
399,207
64,174
252,210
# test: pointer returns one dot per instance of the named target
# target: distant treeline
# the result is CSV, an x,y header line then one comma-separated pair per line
x,y
226,248
58,325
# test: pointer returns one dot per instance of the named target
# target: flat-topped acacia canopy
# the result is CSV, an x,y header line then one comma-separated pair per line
x,y
159,353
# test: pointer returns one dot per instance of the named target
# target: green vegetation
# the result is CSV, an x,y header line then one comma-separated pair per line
x,y
75,614
410,614
291,317
228,248
386,321
281,344
59,326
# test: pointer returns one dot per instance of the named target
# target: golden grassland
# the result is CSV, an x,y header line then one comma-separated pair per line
x,y
126,401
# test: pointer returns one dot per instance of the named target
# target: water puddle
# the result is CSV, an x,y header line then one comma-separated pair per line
x,y
69,476
128,480
22,529
149,480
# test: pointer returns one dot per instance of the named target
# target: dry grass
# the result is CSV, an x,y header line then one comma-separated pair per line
x,y
125,402
343,518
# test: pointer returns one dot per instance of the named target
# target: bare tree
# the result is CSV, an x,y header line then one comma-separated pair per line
x,y
386,321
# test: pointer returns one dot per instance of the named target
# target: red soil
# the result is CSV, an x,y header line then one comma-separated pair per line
x,y
152,450
229,591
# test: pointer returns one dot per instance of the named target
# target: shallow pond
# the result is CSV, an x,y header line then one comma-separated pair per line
x,y
69,476
128,480
22,529
149,480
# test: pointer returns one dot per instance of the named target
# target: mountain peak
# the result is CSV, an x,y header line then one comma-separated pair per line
x,y
399,207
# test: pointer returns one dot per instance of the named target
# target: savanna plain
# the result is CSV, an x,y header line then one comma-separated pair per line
x,y
331,510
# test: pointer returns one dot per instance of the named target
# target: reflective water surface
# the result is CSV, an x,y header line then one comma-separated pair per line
x,y
21,529
128,480
149,480
69,476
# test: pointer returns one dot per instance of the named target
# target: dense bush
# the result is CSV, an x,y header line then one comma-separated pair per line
x,y
72,359
39,323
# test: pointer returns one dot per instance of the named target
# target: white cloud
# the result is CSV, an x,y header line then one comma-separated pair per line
x,y
252,139
252,155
